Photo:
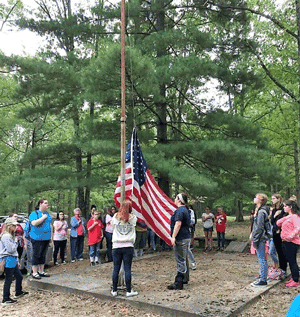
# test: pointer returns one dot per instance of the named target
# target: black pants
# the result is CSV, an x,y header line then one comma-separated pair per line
x,y
278,246
290,252
59,245
9,274
40,248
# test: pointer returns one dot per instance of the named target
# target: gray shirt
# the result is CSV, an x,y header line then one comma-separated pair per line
x,y
8,246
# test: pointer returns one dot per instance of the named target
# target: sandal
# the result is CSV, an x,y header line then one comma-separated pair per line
x,y
36,276
43,274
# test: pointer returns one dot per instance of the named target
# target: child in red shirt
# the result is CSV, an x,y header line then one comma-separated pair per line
x,y
221,219
95,234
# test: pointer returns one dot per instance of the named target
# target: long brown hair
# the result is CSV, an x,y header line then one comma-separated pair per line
x,y
293,205
279,203
124,211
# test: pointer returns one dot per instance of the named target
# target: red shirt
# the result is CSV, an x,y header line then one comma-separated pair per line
x,y
95,234
221,222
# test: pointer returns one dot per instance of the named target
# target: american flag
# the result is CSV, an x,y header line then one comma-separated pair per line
x,y
149,203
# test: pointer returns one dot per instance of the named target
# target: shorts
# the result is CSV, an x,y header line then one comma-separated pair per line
x,y
210,229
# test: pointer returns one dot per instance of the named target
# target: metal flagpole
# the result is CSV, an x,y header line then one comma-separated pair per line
x,y
123,113
121,281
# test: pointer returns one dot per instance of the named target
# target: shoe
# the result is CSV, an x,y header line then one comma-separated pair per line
x,y
21,294
81,259
92,263
292,284
36,276
97,262
194,266
131,293
43,274
114,293
289,281
56,264
259,283
9,301
64,262
73,261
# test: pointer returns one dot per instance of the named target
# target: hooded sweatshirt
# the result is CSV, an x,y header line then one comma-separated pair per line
x,y
123,232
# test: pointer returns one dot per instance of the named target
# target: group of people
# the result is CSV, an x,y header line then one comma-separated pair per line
x,y
279,227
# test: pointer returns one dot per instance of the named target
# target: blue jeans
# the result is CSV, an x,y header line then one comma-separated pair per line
x,y
221,239
76,247
29,256
272,252
263,263
151,236
94,252
119,255
9,274
108,236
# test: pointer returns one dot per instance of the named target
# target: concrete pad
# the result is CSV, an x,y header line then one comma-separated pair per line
x,y
86,281
236,246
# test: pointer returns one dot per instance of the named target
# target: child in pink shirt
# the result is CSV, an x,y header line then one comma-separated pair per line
x,y
95,234
290,229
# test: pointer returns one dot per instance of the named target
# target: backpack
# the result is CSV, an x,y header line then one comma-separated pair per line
x,y
27,228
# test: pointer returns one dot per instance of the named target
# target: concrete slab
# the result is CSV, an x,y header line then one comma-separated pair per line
x,y
236,246
181,303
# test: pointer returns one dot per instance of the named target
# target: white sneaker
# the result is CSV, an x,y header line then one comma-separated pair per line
x,y
194,266
132,293
81,259
114,293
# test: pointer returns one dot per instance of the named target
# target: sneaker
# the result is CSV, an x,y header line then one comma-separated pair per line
x,y
114,293
43,274
259,283
56,264
8,301
289,281
73,261
64,262
92,263
81,259
97,262
21,294
292,284
194,266
36,276
132,293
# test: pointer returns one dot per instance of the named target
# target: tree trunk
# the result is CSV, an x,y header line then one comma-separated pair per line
x,y
239,210
295,145
163,178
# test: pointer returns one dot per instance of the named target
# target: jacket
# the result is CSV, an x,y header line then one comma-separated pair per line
x,y
8,246
290,228
261,230
74,224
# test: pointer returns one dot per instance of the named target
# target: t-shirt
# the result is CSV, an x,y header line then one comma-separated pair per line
x,y
108,227
61,234
221,222
208,223
42,232
181,214
95,234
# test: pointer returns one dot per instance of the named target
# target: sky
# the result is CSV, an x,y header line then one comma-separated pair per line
x,y
16,42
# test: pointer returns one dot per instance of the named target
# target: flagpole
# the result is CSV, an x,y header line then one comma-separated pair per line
x,y
123,112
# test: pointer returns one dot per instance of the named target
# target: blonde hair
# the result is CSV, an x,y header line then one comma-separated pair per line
x,y
263,198
7,229
77,209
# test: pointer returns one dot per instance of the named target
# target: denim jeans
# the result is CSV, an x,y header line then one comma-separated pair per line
x,y
94,252
119,255
263,263
29,256
59,245
181,256
272,252
221,239
151,237
76,247
9,274
40,248
108,236
290,252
